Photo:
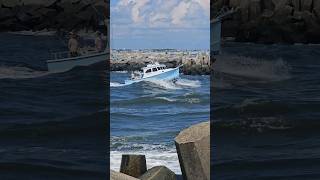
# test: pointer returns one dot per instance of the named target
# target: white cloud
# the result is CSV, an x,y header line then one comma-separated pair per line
x,y
164,13
136,10
205,4
179,12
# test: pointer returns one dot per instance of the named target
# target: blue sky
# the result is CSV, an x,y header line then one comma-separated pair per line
x,y
149,24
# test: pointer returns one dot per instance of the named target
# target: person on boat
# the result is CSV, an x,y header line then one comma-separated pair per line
x,y
98,42
73,45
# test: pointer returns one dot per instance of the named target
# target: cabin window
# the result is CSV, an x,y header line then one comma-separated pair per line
x,y
154,69
149,70
159,68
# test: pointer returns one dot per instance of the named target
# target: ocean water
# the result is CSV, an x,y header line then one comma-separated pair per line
x,y
52,126
146,117
266,112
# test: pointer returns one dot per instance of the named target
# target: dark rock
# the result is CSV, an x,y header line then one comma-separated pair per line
x,y
316,8
133,165
51,14
306,5
158,173
254,8
267,14
297,5
193,148
268,5
272,21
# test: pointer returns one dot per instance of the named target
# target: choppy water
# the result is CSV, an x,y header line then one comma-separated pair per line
x,y
266,112
147,116
51,125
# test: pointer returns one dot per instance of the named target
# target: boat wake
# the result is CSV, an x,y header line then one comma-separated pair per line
x,y
116,84
172,84
17,72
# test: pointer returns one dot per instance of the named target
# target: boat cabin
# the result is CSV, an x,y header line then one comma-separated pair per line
x,y
153,68
148,71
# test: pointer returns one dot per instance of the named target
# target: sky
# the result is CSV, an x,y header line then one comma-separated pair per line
x,y
158,24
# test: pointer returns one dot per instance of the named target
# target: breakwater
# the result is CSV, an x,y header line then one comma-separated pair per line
x,y
194,62
36,15
271,21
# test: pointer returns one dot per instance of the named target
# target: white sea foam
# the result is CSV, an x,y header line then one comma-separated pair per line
x,y
116,84
166,99
188,83
165,84
7,72
168,158
267,70
121,72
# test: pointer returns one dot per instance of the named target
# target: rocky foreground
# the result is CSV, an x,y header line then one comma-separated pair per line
x,y
36,15
271,21
193,148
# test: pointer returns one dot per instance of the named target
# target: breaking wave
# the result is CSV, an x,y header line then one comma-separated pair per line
x,y
171,85
254,68
156,154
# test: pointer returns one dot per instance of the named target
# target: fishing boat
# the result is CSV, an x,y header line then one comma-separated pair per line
x,y
61,62
154,71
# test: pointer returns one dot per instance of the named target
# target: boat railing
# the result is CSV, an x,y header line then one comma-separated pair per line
x,y
60,55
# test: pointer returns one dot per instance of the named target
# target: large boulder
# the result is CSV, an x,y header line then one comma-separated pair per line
x,y
282,14
120,176
158,173
255,9
306,5
193,148
244,10
296,4
11,3
268,5
280,3
316,8
38,2
133,165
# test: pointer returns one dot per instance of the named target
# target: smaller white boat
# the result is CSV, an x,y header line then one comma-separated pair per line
x,y
154,71
61,62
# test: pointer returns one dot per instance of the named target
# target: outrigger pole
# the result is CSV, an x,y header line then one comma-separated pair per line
x,y
104,20
215,24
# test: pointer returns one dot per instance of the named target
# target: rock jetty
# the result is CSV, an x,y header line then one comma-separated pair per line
x,y
36,15
271,21
193,148
195,63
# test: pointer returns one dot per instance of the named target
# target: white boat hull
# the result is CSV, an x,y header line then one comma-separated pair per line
x,y
166,76
61,65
